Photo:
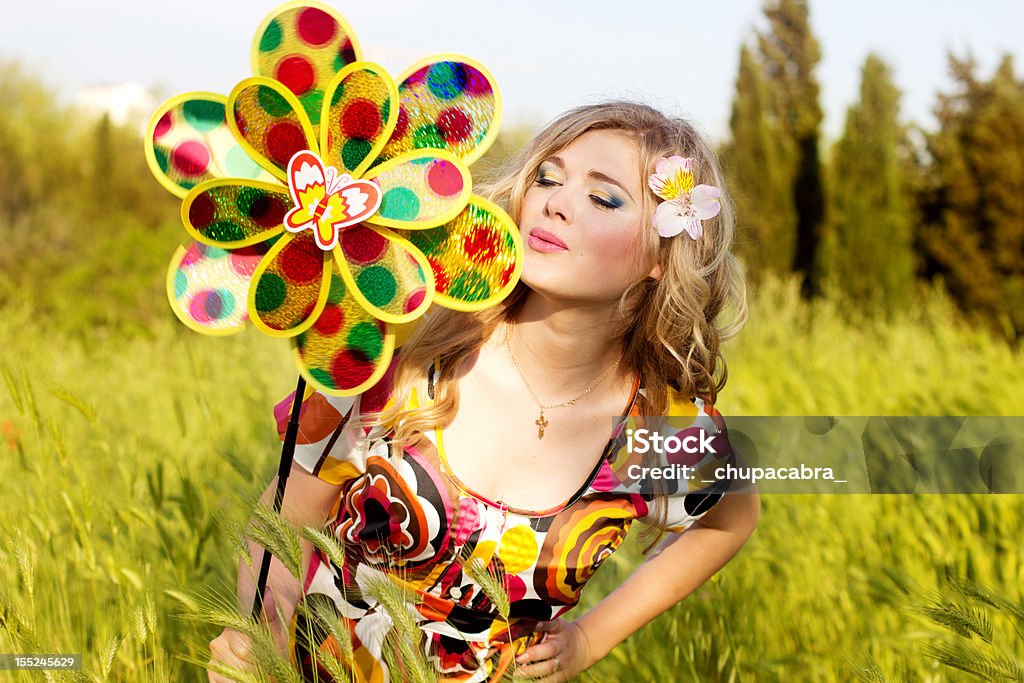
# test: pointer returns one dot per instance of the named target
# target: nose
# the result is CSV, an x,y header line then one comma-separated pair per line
x,y
559,204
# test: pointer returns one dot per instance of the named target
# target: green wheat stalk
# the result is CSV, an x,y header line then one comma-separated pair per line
x,y
12,389
327,543
109,653
404,653
965,620
59,446
276,534
970,589
492,582
26,567
30,401
869,672
986,666
77,403
210,607
323,616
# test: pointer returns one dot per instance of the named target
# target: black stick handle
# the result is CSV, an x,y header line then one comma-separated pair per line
x,y
285,468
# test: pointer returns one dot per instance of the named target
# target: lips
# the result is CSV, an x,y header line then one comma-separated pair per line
x,y
542,240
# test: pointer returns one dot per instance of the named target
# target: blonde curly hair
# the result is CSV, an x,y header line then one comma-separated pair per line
x,y
670,327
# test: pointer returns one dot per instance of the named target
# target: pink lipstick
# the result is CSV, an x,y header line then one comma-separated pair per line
x,y
544,241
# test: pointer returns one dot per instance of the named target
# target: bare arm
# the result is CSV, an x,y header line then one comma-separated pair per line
x,y
678,567
307,501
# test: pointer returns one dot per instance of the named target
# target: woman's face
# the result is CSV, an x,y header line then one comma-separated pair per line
x,y
581,219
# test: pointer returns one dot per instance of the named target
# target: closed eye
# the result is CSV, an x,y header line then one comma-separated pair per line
x,y
601,200
605,203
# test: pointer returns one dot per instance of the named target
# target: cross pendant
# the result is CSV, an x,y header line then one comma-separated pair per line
x,y
541,423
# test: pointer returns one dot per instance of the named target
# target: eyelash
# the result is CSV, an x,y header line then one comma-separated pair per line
x,y
598,201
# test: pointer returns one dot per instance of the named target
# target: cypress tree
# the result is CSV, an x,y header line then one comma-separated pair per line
x,y
103,162
869,253
790,53
973,206
757,162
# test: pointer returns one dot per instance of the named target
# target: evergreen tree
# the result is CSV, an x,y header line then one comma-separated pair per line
x,y
25,115
103,162
790,53
757,162
869,253
973,208
85,231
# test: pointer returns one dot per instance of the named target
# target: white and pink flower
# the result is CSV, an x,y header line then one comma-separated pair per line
x,y
685,205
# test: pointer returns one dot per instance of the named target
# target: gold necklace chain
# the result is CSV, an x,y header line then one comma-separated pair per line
x,y
541,421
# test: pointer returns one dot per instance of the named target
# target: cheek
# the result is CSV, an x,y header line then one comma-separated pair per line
x,y
617,239
529,207
610,255
616,242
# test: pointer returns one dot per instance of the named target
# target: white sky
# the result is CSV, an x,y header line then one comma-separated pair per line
x,y
547,55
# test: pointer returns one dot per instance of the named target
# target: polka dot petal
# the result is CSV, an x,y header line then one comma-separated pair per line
x,y
384,272
360,119
291,286
347,350
475,258
421,189
207,292
446,104
233,213
318,35
270,123
189,142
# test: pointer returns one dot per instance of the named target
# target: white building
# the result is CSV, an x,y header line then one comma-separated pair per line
x,y
125,103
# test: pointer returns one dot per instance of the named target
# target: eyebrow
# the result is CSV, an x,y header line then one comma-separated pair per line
x,y
596,175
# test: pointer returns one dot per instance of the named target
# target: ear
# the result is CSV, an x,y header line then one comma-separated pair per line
x,y
656,272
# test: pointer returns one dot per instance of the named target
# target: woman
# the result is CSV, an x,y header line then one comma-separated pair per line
x,y
501,459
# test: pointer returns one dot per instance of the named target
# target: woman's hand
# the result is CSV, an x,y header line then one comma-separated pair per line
x,y
231,648
561,655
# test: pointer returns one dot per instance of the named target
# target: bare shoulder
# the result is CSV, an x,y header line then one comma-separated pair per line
x,y
740,507
307,500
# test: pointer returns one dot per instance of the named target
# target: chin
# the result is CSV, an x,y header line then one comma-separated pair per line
x,y
537,282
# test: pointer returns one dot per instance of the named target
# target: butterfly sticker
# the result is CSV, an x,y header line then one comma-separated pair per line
x,y
326,201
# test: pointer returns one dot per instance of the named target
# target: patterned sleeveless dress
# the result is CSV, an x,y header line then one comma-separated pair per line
x,y
405,518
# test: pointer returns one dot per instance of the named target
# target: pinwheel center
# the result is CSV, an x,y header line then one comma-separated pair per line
x,y
326,201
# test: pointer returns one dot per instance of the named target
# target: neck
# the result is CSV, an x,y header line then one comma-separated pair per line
x,y
562,348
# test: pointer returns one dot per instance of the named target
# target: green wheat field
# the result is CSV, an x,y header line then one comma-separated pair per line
x,y
125,461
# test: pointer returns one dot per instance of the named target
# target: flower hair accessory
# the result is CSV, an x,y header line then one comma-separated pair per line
x,y
685,206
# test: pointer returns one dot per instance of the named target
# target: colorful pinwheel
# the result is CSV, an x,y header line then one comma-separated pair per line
x,y
339,277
